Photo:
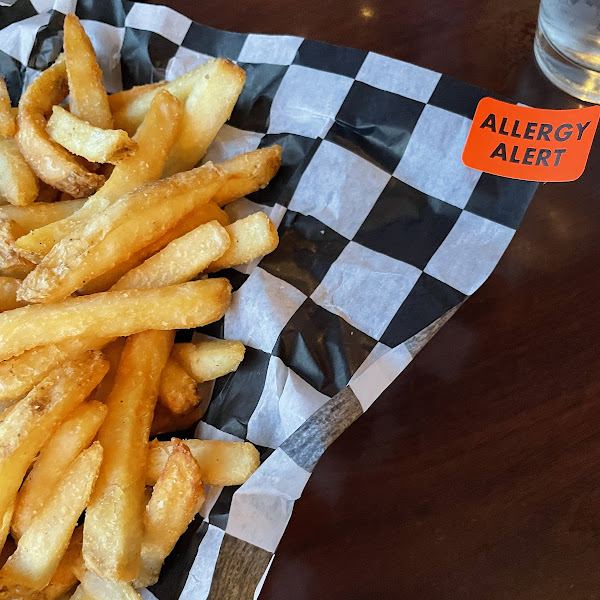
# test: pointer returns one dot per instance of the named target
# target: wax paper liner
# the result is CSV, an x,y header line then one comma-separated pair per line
x,y
384,233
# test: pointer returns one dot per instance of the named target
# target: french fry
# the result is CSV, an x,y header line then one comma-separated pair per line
x,y
114,314
18,184
167,421
177,496
119,100
180,261
205,361
130,116
12,264
8,294
178,391
18,375
130,224
221,463
8,125
113,528
71,437
154,139
83,139
48,160
251,238
96,588
87,97
206,109
248,173
44,543
200,215
112,353
40,213
12,591
26,427
64,578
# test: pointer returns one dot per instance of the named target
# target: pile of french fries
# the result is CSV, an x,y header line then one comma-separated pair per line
x,y
108,232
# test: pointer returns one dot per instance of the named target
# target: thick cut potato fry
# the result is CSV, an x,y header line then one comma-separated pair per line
x,y
208,360
130,224
87,97
130,116
251,238
96,588
207,108
112,353
12,264
73,436
8,125
120,100
167,421
49,160
200,215
178,391
221,463
8,294
180,261
114,314
19,374
26,427
154,138
64,578
113,528
177,496
40,213
18,184
93,143
42,546
248,173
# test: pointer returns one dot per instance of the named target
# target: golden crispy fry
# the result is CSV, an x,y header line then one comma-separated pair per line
x,y
119,100
180,261
130,116
49,160
12,264
8,294
113,314
200,215
26,427
87,97
221,463
93,143
12,591
154,138
40,213
8,125
167,421
42,546
19,374
113,528
208,360
207,108
64,578
251,238
73,436
248,173
177,496
96,588
112,353
18,184
178,391
130,224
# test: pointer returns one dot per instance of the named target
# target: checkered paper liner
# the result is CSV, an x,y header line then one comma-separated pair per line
x,y
384,233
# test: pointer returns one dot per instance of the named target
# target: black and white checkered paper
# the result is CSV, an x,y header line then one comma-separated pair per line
x,y
384,233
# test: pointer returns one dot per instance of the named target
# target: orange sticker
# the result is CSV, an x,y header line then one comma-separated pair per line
x,y
535,144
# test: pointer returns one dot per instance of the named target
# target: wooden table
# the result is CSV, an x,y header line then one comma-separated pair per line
x,y
477,475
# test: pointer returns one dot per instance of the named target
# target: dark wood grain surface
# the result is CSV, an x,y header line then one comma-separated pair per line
x,y
477,475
